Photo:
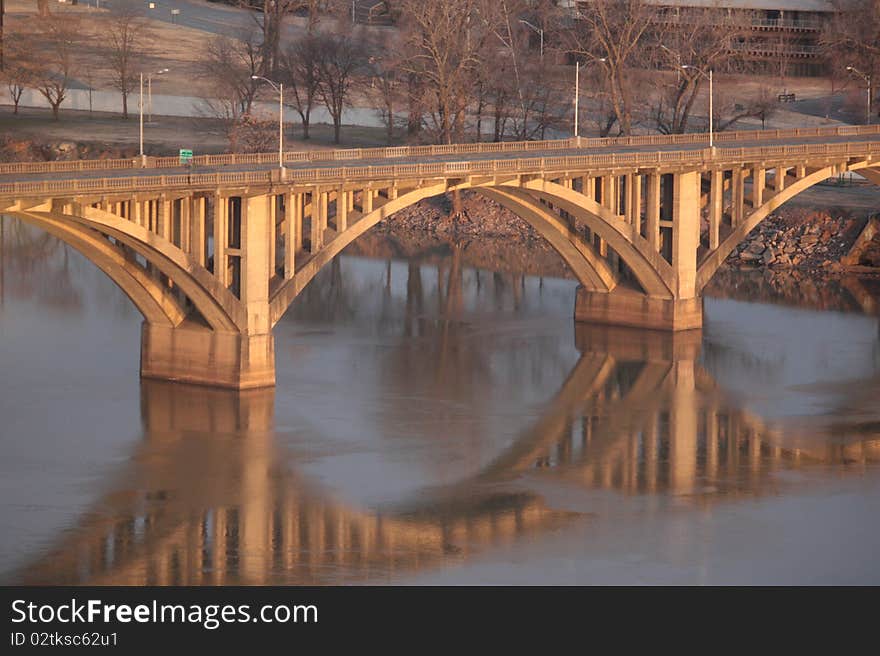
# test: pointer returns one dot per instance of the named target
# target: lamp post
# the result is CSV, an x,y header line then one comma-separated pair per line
x,y
677,61
150,93
279,87
577,93
867,79
536,29
141,113
711,99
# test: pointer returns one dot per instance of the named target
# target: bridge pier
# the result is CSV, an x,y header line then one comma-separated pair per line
x,y
201,356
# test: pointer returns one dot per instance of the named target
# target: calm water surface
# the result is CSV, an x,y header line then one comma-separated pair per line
x,y
436,423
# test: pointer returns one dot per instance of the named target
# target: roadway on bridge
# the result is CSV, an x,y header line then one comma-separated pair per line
x,y
427,159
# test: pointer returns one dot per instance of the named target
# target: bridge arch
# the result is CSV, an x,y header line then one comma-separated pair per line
x,y
653,273
154,301
216,304
590,268
710,264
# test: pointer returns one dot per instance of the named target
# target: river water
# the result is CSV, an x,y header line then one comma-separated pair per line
x,y
436,423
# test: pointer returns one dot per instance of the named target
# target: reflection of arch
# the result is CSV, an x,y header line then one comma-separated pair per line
x,y
591,270
261,519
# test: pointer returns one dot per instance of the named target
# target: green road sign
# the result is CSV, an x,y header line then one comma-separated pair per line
x,y
185,156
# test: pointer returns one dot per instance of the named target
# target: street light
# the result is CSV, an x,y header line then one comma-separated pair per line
x,y
536,29
279,87
678,62
150,93
711,111
867,79
141,112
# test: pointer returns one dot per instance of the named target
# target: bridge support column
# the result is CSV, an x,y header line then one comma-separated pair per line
x,y
737,193
240,356
716,207
652,210
683,310
758,182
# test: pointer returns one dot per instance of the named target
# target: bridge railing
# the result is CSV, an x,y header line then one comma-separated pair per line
x,y
530,165
403,152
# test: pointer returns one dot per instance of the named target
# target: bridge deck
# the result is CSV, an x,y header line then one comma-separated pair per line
x,y
787,153
750,142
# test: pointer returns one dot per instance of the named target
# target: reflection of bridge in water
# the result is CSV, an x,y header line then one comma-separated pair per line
x,y
208,498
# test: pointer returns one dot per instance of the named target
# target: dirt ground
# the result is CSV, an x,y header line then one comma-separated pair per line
x,y
165,135
168,46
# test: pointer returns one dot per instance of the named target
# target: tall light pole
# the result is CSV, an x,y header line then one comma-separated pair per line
x,y
867,79
141,112
577,93
150,93
677,61
141,121
536,29
711,100
279,87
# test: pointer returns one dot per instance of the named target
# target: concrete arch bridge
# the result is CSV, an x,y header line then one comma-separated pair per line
x,y
213,256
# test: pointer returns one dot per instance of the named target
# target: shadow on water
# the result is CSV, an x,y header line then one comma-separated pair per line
x,y
214,493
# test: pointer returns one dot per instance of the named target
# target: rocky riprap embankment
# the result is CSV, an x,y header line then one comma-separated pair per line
x,y
800,239
479,217
795,238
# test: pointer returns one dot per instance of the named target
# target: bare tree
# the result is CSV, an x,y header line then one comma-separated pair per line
x,y
17,74
852,39
253,133
609,34
270,16
519,82
443,41
340,59
700,42
228,67
301,76
56,40
384,87
126,34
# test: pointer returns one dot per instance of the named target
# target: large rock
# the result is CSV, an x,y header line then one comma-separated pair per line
x,y
757,247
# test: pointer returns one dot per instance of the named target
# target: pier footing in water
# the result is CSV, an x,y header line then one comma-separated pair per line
x,y
201,356
630,308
